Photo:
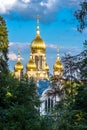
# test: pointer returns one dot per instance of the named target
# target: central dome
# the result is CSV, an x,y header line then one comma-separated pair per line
x,y
38,45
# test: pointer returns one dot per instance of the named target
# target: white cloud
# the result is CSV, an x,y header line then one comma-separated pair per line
x,y
49,3
26,1
11,43
27,9
51,46
12,56
6,5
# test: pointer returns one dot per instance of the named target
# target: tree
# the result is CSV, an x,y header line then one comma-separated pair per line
x,y
6,81
81,15
23,113
19,104
84,62
71,75
3,46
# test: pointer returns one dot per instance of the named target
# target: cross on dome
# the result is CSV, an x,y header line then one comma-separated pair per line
x,y
38,27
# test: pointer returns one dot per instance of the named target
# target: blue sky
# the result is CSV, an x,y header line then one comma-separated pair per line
x,y
58,27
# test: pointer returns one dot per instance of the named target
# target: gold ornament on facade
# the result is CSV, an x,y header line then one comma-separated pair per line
x,y
31,65
46,68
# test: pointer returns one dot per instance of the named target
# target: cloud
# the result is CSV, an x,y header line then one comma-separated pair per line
x,y
25,47
51,46
12,56
49,4
64,49
26,1
6,6
28,9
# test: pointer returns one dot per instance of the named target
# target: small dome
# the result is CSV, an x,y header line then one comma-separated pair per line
x,y
46,67
31,65
58,66
38,45
18,66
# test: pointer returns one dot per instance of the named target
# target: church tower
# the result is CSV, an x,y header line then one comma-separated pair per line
x,y
18,68
37,66
58,67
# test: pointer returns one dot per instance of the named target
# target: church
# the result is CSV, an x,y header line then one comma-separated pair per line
x,y
38,68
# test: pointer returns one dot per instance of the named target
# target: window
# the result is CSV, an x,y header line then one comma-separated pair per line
x,y
48,105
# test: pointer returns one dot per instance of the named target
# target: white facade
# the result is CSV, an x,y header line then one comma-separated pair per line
x,y
48,100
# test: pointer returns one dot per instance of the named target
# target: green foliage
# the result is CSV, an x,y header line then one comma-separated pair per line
x,y
72,114
3,45
46,122
19,103
81,15
84,62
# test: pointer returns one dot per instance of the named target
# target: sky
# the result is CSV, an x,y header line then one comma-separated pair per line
x,y
58,27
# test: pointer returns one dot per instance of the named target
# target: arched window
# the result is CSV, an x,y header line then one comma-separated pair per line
x,y
48,105
36,61
51,104
40,62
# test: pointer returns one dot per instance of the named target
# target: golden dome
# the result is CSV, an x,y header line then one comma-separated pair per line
x,y
38,45
58,66
46,67
18,66
31,65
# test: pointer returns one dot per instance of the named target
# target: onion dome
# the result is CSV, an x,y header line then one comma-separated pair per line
x,y
31,65
58,65
46,67
38,44
18,66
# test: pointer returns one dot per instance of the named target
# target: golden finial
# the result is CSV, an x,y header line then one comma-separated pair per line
x,y
37,17
18,50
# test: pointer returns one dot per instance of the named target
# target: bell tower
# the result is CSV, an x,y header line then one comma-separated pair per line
x,y
38,54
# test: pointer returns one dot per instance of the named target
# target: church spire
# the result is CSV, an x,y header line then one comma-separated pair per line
x,y
38,27
58,53
19,58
